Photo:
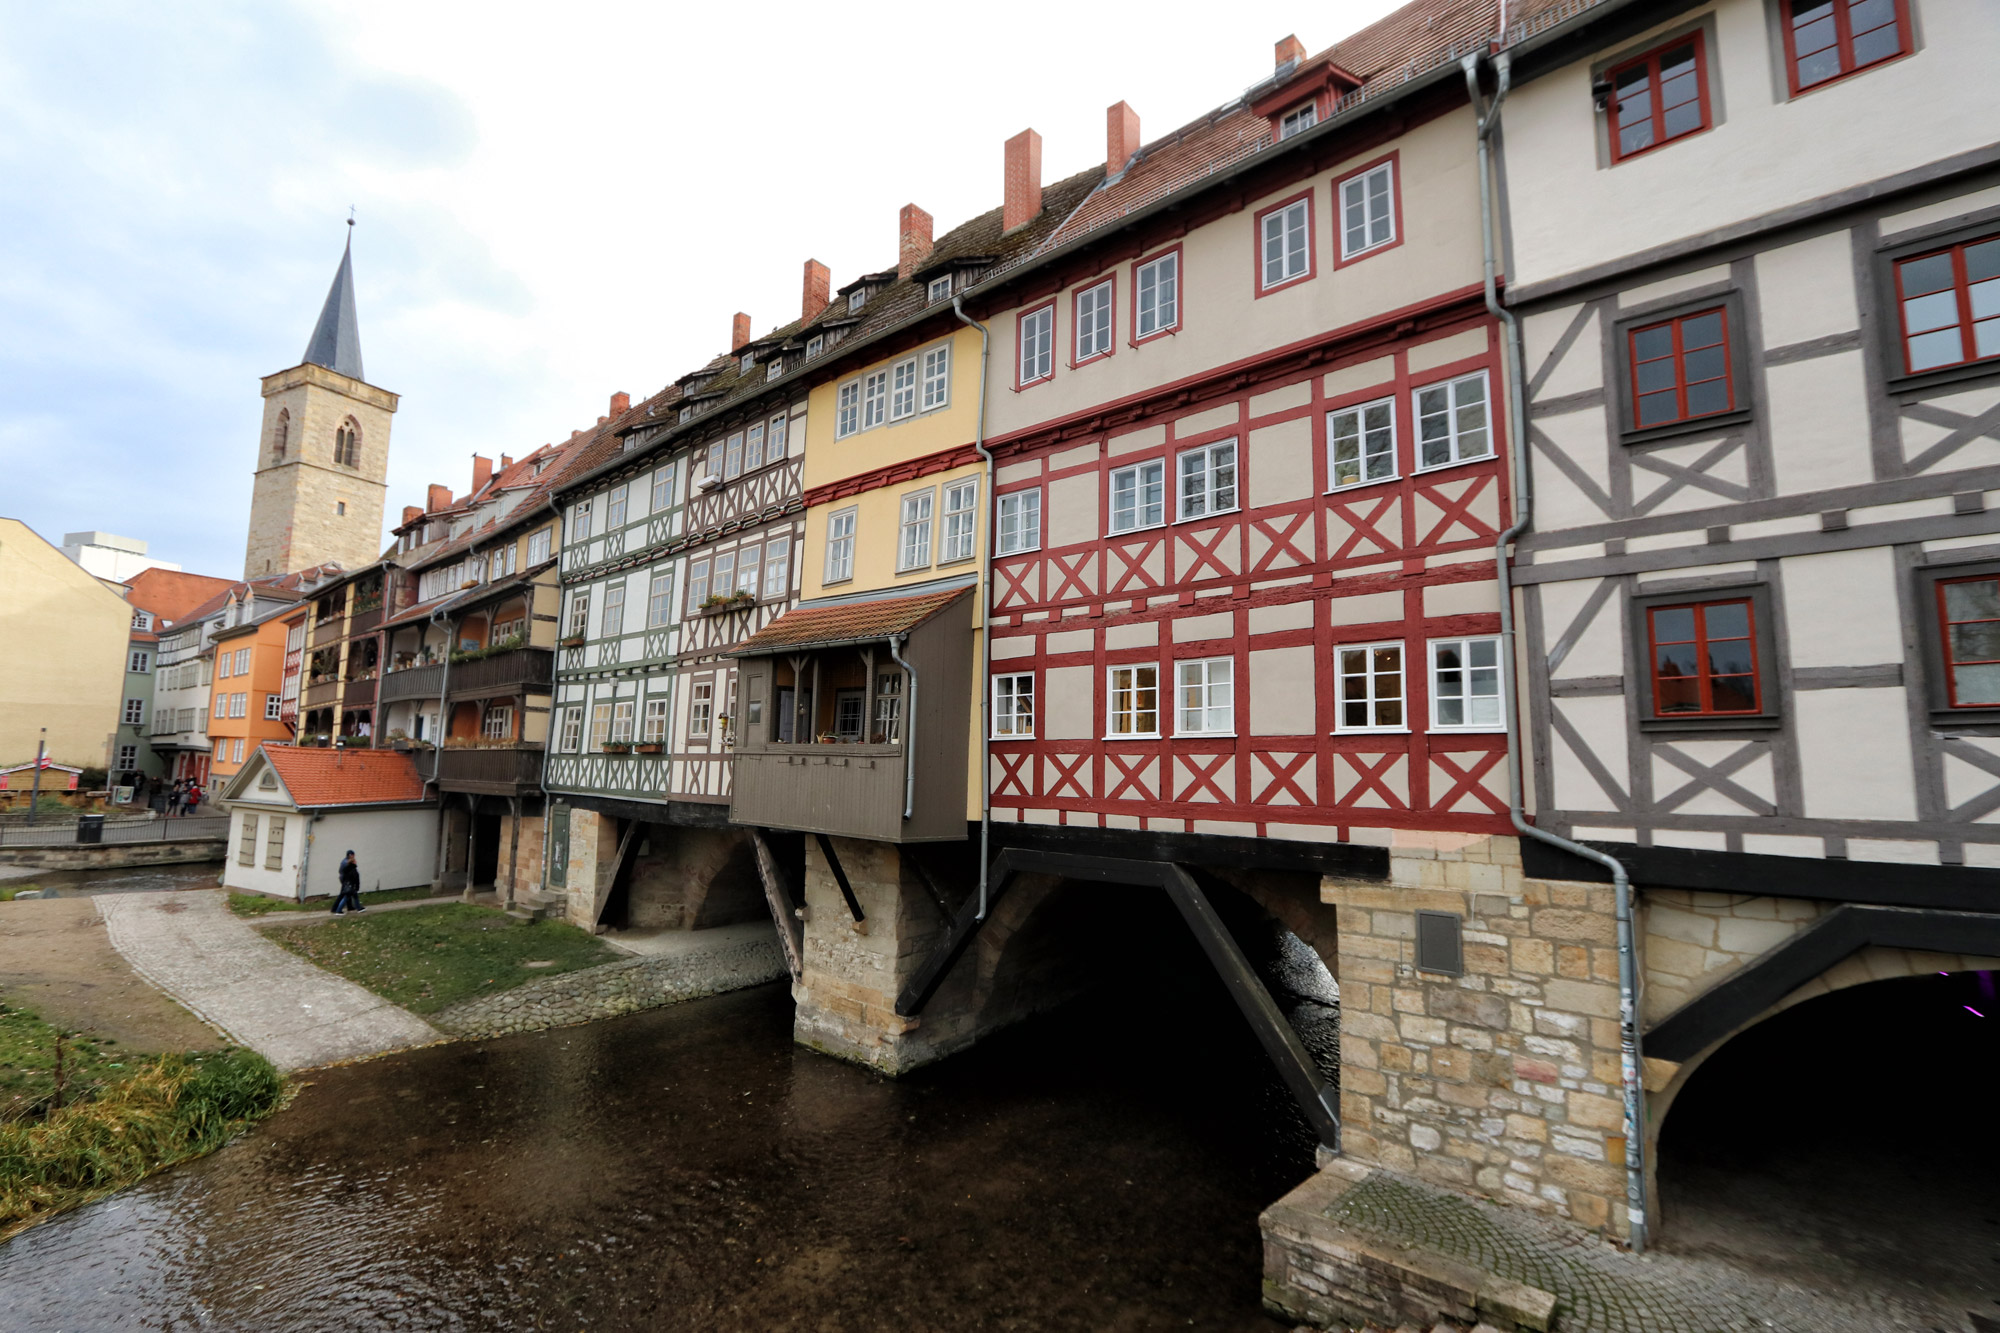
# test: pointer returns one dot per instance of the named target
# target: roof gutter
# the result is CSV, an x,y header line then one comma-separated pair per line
x,y
1488,113
983,684
896,642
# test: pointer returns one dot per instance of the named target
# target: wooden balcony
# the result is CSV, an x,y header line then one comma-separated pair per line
x,y
323,694
331,630
412,683
490,770
855,791
358,693
514,672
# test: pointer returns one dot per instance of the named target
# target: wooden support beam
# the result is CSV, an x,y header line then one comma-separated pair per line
x,y
784,910
606,879
840,878
930,883
965,924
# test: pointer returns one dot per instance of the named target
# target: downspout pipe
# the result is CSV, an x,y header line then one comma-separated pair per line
x,y
1488,115
909,728
984,684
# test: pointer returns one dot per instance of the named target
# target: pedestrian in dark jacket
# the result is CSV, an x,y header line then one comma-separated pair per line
x,y
350,886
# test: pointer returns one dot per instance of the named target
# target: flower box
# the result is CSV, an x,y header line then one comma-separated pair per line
x,y
573,641
717,604
617,747
648,749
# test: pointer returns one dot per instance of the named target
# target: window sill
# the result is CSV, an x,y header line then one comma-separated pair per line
x,y
1368,253
1967,721
1959,374
1018,550
1144,527
1090,360
1467,731
1725,722
1456,462
1204,736
1362,485
1134,736
1211,514
1010,738
956,560
1668,430
1370,731
1284,285
1143,339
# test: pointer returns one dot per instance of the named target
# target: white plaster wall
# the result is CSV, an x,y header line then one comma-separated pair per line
x,y
396,849
1761,147
1819,423
254,878
1854,754
1841,608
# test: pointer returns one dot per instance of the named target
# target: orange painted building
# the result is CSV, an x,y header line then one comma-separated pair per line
x,y
245,705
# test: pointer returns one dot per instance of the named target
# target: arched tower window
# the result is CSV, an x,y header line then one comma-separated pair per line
x,y
281,435
347,443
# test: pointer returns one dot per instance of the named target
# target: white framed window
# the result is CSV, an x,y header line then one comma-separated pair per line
x,y
840,546
1094,321
613,621
579,522
777,567
570,737
889,707
1157,304
775,369
815,345
1020,521
855,300
221,705
239,705
662,497
1208,480
961,504
1037,337
1361,443
723,580
753,448
142,662
937,377
1451,422
712,465
507,560
498,724
1368,210
687,413
748,566
135,711
221,666
1139,496
236,751
128,758
1014,706
774,439
653,731
940,289
579,614
732,455
1368,684
903,389
1135,702
747,364
1205,697
621,719
242,661
913,548
1466,680
272,706
1285,236
142,621
614,508
874,398
600,725
697,583
701,711
1298,120
847,410
660,598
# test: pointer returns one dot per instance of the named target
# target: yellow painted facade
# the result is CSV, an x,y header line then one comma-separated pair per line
x,y
880,560
67,636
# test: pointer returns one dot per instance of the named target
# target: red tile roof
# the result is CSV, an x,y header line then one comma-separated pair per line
x,y
809,627
317,776
170,594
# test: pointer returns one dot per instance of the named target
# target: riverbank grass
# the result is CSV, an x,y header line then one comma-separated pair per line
x,y
79,1119
430,958
263,904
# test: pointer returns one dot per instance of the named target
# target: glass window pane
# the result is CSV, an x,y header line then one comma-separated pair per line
x,y
1704,364
1674,661
1657,407
1673,624
1650,344
1932,273
1978,599
1733,694
1653,376
1730,657
1976,684
1708,397
1978,641
1942,348
1939,310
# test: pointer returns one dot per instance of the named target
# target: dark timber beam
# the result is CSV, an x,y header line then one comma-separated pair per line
x,y
784,911
840,878
1732,1004
911,859
931,974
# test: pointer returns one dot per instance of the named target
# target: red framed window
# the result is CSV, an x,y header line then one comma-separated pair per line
x,y
1660,97
1829,39
1680,369
1969,616
1704,658
1949,302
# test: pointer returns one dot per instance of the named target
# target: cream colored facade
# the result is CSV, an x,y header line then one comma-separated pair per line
x,y
307,506
67,635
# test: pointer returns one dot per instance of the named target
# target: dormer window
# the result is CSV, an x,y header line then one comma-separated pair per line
x,y
857,299
1298,120
940,289
775,369
815,345
687,412
748,364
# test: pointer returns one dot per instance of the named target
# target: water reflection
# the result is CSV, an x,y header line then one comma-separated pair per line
x,y
132,879
691,1168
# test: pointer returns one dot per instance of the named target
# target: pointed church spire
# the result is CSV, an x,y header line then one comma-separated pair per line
x,y
336,339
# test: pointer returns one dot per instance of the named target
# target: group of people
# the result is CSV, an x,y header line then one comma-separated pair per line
x,y
183,796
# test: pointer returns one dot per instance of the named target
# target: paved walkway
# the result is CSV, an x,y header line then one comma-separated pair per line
x,y
190,946
664,943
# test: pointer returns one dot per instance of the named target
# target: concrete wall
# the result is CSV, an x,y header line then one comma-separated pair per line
x,y
396,849
63,668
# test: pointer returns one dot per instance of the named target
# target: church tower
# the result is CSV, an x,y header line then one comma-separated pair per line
x,y
323,457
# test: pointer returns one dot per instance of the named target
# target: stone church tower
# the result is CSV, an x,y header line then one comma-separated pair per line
x,y
323,457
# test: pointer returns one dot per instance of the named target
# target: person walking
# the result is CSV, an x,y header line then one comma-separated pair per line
x,y
174,799
193,797
350,886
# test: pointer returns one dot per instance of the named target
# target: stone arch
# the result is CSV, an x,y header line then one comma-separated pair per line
x,y
281,435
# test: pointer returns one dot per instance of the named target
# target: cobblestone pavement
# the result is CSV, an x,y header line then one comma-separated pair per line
x,y
190,946
1601,1289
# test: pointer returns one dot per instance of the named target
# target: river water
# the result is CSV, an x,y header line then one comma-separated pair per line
x,y
1099,1168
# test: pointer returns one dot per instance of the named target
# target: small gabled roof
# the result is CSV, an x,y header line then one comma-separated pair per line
x,y
316,778
807,627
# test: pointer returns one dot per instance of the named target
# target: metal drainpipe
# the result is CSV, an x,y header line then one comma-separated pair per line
x,y
909,730
1488,114
984,684
305,855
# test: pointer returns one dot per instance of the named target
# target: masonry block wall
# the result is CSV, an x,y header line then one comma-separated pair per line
x,y
695,879
593,842
1506,1080
847,997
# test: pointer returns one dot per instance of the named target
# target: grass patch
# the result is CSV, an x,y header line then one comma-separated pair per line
x,y
118,1118
262,904
428,960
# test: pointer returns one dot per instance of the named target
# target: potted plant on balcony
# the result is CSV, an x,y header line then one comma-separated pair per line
x,y
570,641
399,740
617,747
828,738
648,747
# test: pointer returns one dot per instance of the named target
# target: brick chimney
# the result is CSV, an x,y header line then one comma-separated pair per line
x,y
411,514
1121,137
506,461
621,403
437,498
482,472
739,331
1024,180
913,240
1290,51
819,289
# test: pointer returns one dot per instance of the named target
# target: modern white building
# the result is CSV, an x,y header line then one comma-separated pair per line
x,y
109,557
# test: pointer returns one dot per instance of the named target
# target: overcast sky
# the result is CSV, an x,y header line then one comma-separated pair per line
x,y
555,202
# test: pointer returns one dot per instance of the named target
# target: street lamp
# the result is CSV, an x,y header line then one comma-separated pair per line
x,y
35,786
